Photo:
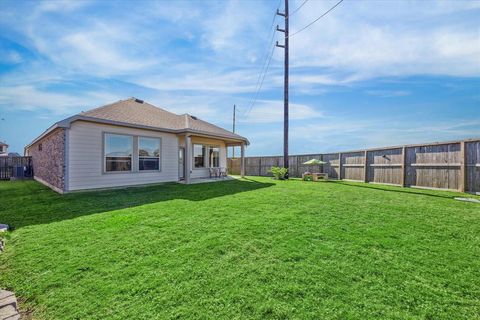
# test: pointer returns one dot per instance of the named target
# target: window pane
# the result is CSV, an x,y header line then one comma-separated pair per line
x,y
148,153
148,147
118,152
118,146
148,163
199,155
118,164
214,157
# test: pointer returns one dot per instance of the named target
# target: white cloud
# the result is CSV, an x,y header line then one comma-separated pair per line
x,y
388,93
371,39
60,6
11,57
337,134
269,111
31,98
359,40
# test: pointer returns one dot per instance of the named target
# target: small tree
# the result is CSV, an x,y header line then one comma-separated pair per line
x,y
278,172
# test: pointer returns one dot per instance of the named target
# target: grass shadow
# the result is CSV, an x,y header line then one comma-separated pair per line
x,y
26,203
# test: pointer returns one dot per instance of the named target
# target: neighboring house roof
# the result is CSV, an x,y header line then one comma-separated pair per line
x,y
3,144
139,114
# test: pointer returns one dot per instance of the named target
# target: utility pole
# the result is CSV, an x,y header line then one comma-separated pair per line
x,y
285,89
233,148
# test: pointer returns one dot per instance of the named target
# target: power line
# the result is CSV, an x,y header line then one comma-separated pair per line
x,y
323,15
263,70
298,8
261,83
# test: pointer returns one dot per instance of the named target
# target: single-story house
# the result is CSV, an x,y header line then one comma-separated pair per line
x,y
126,143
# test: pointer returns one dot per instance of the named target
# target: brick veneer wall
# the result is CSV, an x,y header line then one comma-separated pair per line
x,y
49,162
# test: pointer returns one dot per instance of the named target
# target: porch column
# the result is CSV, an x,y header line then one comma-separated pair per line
x,y
188,157
242,168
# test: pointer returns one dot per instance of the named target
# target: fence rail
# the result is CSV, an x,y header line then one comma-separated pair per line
x,y
9,165
452,165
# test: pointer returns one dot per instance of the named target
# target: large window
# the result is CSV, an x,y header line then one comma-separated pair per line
x,y
214,157
199,155
118,152
148,153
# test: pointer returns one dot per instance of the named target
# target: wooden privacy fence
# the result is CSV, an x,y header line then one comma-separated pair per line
x,y
441,165
8,165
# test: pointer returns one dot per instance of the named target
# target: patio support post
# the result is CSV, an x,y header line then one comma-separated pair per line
x,y
242,168
188,157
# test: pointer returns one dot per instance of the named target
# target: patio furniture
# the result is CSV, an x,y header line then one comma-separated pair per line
x,y
213,172
314,176
223,172
308,176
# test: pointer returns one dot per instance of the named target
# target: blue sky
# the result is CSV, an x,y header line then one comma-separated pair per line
x,y
371,73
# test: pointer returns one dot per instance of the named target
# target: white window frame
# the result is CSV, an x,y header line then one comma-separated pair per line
x,y
205,156
219,157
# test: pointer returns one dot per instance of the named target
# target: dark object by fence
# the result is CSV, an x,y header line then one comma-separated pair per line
x,y
453,165
16,168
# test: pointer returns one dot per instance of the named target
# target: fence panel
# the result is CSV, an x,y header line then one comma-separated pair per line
x,y
353,165
266,163
234,165
473,166
9,164
331,167
385,166
251,166
434,166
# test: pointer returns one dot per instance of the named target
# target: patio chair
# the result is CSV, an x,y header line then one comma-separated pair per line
x,y
223,172
213,172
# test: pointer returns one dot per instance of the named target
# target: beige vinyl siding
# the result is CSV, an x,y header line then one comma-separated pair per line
x,y
85,158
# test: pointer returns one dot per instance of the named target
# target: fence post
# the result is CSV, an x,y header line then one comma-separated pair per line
x,y
296,170
365,169
404,167
463,168
322,170
340,166
259,166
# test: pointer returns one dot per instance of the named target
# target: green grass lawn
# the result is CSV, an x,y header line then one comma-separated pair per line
x,y
246,249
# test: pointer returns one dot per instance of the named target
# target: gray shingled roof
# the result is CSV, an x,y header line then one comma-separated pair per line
x,y
137,112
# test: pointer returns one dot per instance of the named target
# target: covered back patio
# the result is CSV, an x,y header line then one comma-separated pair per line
x,y
201,155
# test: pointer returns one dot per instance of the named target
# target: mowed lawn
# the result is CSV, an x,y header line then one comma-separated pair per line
x,y
247,249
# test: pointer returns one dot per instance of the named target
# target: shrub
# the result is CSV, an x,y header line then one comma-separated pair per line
x,y
278,172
